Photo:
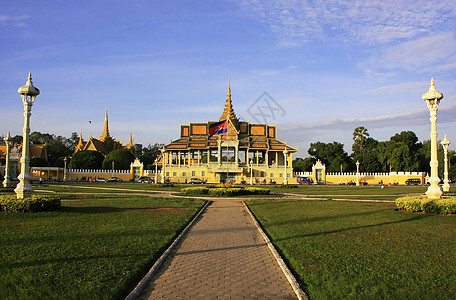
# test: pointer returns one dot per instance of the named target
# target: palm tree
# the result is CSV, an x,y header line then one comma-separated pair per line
x,y
360,135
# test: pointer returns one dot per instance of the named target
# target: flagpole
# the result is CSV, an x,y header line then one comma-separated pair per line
x,y
227,150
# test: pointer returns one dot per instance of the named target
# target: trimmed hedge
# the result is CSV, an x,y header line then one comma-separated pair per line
x,y
221,192
195,191
257,191
225,192
423,204
36,203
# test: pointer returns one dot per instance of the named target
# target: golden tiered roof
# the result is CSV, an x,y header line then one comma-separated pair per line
x,y
105,143
228,112
250,136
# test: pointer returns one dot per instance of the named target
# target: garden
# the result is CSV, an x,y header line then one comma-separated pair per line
x,y
341,242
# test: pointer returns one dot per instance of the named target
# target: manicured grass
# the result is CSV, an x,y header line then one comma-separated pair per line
x,y
350,250
92,248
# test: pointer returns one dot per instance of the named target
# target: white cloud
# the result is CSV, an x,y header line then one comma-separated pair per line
x,y
398,88
425,54
372,22
13,21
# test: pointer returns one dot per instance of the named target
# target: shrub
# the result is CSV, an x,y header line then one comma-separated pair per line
x,y
36,203
287,186
447,205
417,204
257,191
195,191
411,204
221,192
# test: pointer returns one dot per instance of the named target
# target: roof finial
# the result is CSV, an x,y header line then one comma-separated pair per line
x,y
105,134
228,112
432,87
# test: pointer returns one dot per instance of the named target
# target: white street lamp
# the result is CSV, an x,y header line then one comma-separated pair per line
x,y
390,173
357,173
9,142
251,172
28,94
65,169
163,166
341,170
446,183
432,98
156,175
285,179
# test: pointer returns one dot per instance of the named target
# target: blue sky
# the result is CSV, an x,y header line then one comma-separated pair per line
x,y
327,66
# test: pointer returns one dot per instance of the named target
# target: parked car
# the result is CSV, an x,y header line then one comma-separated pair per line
x,y
196,181
115,179
145,179
303,180
100,179
413,181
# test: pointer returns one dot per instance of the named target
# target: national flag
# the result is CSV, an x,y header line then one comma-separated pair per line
x,y
218,128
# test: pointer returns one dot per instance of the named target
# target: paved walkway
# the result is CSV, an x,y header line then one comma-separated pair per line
x,y
223,256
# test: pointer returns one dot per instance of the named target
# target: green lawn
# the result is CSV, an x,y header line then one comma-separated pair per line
x,y
94,247
350,250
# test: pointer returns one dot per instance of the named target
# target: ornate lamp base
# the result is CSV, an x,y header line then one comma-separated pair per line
x,y
434,192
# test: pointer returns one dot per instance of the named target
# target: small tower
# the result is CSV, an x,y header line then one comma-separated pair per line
x,y
105,136
80,145
228,112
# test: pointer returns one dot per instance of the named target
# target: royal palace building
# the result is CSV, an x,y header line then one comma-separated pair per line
x,y
105,144
240,153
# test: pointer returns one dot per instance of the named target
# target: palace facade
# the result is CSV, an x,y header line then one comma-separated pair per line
x,y
245,153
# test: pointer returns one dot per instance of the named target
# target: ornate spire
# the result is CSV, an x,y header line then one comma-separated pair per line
x,y
80,145
228,112
105,134
130,142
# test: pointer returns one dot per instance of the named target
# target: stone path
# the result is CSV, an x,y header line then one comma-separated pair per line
x,y
223,256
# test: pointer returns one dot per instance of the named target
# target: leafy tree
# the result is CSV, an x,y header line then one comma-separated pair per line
x,y
303,164
122,159
402,152
368,159
86,159
360,135
38,162
149,154
330,154
57,146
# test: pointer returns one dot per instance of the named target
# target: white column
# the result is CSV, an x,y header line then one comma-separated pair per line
x,y
24,188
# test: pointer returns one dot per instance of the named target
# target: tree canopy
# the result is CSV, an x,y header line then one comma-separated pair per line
x,y
86,159
122,159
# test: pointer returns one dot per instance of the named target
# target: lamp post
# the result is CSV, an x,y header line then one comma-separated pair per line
x,y
156,175
390,173
9,142
28,94
65,169
285,178
163,166
357,173
432,98
446,183
251,172
341,169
